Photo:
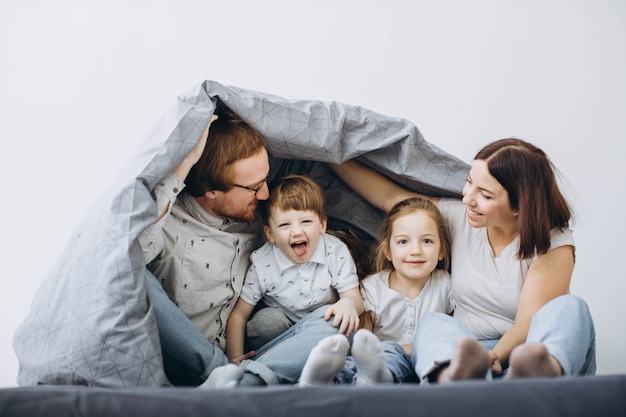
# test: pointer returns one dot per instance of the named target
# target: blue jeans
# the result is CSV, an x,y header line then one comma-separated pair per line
x,y
188,358
564,325
396,360
281,361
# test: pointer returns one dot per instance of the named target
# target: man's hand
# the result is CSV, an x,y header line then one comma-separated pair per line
x,y
194,155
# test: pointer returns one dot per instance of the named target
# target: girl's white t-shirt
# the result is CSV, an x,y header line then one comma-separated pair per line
x,y
395,316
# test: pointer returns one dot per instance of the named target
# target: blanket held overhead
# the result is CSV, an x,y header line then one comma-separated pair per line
x,y
91,322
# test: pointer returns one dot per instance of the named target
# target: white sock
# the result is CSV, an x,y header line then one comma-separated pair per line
x,y
326,359
227,376
369,356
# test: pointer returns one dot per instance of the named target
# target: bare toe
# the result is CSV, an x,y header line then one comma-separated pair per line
x,y
533,360
470,361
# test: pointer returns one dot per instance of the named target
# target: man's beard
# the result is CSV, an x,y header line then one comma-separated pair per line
x,y
247,215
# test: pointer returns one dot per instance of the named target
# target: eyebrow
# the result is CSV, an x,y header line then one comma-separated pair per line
x,y
486,190
481,188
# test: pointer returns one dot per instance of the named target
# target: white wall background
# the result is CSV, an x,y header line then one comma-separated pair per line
x,y
82,82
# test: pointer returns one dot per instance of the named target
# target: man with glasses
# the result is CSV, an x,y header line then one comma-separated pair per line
x,y
197,255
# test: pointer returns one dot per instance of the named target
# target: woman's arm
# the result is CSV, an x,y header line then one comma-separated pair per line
x,y
370,184
548,277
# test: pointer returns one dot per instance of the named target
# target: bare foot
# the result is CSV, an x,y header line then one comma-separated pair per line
x,y
470,361
533,360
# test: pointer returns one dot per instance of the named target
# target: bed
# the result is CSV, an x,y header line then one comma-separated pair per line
x,y
595,396
89,344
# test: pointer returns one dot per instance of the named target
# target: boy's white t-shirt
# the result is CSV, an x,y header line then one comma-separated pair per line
x,y
486,288
300,289
395,316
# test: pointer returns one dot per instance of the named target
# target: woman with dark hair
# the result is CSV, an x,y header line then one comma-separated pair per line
x,y
512,263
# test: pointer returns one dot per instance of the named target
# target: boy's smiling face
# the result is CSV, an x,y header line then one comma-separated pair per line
x,y
295,232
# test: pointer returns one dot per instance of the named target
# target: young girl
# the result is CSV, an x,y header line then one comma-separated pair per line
x,y
412,259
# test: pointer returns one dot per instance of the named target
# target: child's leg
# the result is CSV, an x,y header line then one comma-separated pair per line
x,y
265,325
326,359
369,356
281,361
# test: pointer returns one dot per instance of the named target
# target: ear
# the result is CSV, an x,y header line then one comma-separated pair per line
x,y
268,234
387,252
210,194
323,225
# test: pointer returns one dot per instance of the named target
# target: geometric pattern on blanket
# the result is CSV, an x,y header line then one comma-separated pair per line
x,y
91,321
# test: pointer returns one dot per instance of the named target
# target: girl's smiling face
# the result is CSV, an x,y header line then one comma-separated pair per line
x,y
415,246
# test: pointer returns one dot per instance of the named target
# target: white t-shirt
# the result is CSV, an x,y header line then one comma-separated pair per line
x,y
300,289
486,288
395,316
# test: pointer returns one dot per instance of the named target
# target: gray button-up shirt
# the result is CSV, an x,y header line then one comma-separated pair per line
x,y
200,260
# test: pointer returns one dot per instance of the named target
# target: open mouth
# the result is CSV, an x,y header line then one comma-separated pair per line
x,y
299,247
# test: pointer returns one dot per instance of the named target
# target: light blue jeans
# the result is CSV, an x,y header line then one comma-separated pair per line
x,y
396,360
564,325
281,361
188,358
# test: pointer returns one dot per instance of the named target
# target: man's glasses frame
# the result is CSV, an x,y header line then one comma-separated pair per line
x,y
254,188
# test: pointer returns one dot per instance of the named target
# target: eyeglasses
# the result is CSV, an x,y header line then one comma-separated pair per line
x,y
254,188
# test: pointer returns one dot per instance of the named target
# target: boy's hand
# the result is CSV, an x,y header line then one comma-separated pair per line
x,y
346,316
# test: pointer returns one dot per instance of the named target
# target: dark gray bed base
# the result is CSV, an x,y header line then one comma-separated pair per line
x,y
592,396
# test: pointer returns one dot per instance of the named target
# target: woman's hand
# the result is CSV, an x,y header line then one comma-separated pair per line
x,y
496,365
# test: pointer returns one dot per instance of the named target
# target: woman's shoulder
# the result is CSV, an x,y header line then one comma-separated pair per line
x,y
449,206
561,236
453,211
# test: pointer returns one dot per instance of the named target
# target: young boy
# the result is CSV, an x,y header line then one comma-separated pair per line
x,y
300,268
